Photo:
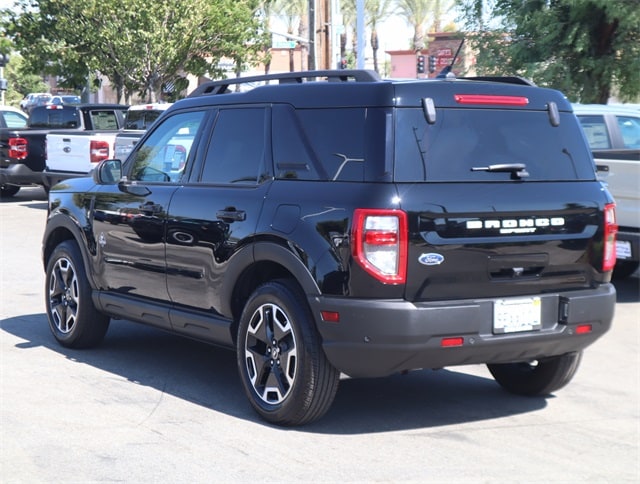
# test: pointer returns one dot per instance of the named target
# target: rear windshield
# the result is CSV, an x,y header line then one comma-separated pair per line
x,y
55,118
462,141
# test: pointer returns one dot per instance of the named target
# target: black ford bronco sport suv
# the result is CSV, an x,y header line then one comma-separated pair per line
x,y
333,222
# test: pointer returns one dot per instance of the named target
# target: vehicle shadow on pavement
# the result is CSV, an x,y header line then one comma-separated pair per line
x,y
207,376
32,197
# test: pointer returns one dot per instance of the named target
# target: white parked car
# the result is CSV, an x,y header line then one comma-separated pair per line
x,y
12,118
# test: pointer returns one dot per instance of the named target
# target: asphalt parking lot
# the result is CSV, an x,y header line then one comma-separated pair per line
x,y
151,407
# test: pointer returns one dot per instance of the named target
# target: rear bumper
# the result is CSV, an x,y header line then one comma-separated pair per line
x,y
378,338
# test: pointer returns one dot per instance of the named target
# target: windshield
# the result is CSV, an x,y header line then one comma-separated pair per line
x,y
462,142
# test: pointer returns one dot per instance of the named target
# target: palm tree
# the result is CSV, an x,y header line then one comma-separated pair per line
x,y
441,7
417,13
376,11
294,13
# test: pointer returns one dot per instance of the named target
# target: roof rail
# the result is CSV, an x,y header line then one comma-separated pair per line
x,y
504,79
342,75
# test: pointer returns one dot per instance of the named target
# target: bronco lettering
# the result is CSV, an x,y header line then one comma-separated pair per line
x,y
522,225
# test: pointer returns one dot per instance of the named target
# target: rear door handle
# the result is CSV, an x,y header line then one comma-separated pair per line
x,y
231,215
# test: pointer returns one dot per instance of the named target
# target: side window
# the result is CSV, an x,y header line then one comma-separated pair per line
x,y
630,131
337,139
293,156
236,151
14,120
164,154
596,132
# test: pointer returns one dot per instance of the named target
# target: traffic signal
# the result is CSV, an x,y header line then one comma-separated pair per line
x,y
343,63
432,63
420,64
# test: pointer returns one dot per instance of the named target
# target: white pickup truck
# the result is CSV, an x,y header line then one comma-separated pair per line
x,y
613,133
137,120
90,139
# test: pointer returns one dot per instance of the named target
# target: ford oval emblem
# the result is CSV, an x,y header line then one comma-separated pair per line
x,y
431,259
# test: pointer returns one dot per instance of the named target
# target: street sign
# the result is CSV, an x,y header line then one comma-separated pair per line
x,y
285,44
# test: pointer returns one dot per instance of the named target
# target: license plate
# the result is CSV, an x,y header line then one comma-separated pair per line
x,y
514,315
623,249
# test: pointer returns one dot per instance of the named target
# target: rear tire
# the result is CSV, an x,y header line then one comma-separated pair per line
x,y
625,268
284,371
73,319
538,378
7,191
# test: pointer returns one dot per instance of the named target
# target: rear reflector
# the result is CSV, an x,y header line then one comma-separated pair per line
x,y
584,329
330,316
489,99
449,342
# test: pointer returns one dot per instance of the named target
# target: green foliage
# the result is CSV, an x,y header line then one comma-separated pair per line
x,y
139,47
590,49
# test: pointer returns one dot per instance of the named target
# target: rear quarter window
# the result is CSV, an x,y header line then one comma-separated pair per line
x,y
332,144
462,139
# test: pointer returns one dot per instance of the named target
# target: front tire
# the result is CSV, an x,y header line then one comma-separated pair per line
x,y
538,378
283,368
73,319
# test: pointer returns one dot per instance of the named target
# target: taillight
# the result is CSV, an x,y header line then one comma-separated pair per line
x,y
380,243
18,148
610,232
99,151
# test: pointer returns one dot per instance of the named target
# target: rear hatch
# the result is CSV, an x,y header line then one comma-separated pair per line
x,y
501,194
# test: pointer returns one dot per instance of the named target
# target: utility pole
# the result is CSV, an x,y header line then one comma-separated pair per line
x,y
360,33
312,35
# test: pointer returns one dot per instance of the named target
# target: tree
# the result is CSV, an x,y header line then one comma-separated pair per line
x,y
376,12
294,13
589,49
418,14
138,48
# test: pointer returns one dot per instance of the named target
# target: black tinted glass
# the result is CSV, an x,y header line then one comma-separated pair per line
x,y
464,139
237,147
54,118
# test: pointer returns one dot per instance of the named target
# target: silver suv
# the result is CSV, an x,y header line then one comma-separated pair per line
x,y
613,133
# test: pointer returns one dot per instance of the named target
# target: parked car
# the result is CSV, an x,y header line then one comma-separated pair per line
x,y
336,223
29,98
37,100
613,133
69,99
12,118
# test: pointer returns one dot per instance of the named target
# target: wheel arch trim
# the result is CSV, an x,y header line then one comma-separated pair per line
x,y
64,222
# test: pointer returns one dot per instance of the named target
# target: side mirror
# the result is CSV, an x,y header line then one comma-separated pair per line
x,y
108,172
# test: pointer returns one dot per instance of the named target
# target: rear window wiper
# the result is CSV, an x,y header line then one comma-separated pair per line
x,y
517,170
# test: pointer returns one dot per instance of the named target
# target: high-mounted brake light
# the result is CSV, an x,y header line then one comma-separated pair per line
x,y
491,99
99,150
380,243
610,233
18,148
